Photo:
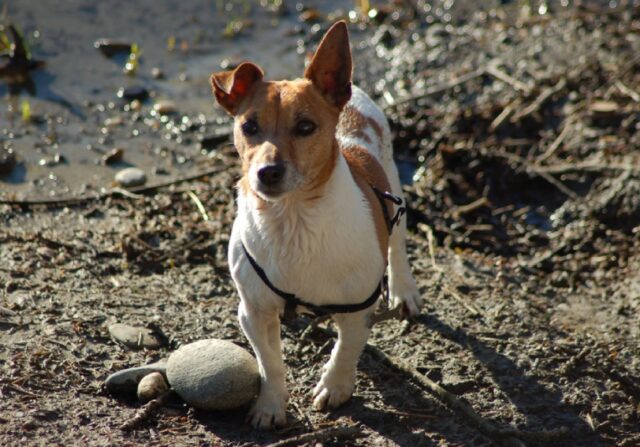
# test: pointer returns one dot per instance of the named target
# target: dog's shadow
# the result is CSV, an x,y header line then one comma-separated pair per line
x,y
541,407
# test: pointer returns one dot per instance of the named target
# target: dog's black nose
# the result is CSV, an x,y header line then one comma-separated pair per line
x,y
270,175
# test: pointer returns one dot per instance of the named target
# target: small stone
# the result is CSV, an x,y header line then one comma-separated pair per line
x,y
113,156
311,16
131,177
213,374
151,386
113,122
135,105
157,73
229,64
134,92
165,107
209,142
110,48
127,380
7,161
135,337
52,161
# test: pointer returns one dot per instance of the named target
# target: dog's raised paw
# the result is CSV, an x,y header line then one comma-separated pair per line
x,y
268,412
331,395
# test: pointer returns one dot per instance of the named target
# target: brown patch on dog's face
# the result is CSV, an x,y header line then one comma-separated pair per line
x,y
284,132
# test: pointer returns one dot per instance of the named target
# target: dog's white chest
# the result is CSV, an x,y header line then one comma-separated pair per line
x,y
325,254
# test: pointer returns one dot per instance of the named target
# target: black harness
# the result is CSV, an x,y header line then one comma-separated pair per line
x,y
292,301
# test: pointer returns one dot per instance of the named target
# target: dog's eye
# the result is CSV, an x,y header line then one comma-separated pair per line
x,y
304,128
250,128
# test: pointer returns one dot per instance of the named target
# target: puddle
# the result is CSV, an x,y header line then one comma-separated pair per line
x,y
76,105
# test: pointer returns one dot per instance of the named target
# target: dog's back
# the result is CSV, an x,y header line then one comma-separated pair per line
x,y
363,124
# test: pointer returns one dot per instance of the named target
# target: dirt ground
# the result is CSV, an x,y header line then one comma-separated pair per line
x,y
517,131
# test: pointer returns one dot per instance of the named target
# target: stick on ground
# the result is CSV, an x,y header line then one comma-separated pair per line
x,y
510,436
340,432
145,412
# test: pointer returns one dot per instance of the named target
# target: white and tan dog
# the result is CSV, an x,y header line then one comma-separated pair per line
x,y
309,222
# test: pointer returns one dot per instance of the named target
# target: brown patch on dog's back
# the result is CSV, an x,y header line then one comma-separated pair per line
x,y
368,172
353,124
377,128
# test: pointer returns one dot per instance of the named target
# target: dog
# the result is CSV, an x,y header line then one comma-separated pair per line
x,y
314,208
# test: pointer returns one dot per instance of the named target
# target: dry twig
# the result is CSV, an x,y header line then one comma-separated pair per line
x,y
130,193
494,71
340,432
553,147
441,87
511,436
199,205
539,101
145,412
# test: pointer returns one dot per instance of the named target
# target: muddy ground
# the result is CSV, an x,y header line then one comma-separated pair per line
x,y
516,130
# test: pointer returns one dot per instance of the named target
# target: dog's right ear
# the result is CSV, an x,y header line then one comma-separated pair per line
x,y
231,87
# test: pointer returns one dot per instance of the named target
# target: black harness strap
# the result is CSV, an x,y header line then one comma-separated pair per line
x,y
382,196
292,301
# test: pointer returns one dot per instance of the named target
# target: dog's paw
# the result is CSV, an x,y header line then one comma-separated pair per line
x,y
404,291
269,411
332,393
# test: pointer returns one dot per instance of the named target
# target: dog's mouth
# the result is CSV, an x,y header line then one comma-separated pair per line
x,y
274,181
270,193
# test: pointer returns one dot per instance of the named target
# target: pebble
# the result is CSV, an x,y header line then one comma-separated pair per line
x,y
110,48
113,156
151,386
133,92
165,107
134,337
212,141
52,161
7,161
213,374
131,177
127,380
157,73
114,121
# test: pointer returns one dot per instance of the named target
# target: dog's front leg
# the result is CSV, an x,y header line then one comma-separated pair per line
x,y
339,374
263,331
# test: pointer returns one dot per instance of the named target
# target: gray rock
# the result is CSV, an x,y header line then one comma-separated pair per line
x,y
213,374
133,92
135,337
151,386
165,107
131,177
127,380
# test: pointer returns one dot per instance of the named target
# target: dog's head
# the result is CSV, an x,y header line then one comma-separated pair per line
x,y
285,131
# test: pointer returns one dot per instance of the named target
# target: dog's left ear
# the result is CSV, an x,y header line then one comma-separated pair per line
x,y
330,67
231,87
